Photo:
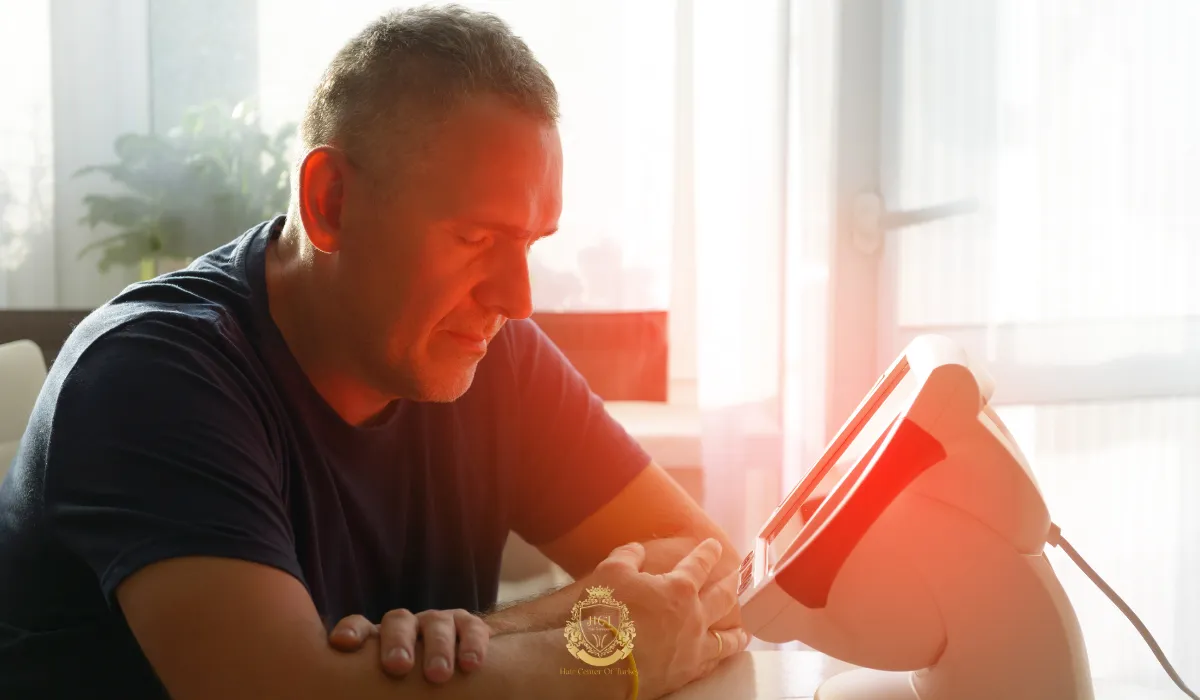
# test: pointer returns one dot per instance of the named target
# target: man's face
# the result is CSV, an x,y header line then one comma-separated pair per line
x,y
433,259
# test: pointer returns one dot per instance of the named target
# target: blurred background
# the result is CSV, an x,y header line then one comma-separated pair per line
x,y
769,197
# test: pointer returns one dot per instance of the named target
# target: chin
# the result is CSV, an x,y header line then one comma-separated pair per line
x,y
446,386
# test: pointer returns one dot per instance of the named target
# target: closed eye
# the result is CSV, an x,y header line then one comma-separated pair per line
x,y
475,237
479,233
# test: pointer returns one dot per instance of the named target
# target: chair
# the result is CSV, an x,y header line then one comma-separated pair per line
x,y
22,373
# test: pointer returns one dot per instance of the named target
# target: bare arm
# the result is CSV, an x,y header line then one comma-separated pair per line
x,y
234,629
653,506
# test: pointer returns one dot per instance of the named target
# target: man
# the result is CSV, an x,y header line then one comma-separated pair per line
x,y
340,415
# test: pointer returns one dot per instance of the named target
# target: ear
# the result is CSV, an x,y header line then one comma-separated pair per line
x,y
322,182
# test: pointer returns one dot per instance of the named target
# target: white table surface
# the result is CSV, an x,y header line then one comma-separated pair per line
x,y
780,675
752,675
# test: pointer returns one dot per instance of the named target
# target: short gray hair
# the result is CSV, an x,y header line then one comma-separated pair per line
x,y
411,65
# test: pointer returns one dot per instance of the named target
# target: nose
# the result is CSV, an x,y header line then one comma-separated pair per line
x,y
506,290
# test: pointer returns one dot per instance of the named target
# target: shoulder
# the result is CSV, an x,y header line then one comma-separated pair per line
x,y
518,333
137,338
138,358
149,388
522,342
520,354
519,359
197,316
511,345
207,306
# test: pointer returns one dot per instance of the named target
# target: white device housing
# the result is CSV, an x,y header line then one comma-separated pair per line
x,y
915,547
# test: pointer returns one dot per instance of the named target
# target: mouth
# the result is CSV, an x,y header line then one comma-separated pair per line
x,y
470,341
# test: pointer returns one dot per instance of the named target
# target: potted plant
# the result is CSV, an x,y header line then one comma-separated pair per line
x,y
206,181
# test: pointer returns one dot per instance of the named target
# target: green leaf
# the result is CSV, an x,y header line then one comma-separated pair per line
x,y
109,242
134,149
121,212
127,252
207,180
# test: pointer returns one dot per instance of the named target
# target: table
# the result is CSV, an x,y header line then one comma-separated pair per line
x,y
787,675
762,675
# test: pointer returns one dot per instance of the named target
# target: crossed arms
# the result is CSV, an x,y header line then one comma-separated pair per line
x,y
227,628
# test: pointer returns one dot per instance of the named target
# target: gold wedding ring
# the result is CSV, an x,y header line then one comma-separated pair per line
x,y
720,642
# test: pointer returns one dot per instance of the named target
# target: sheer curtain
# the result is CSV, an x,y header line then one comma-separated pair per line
x,y
761,177
26,158
76,77
1074,124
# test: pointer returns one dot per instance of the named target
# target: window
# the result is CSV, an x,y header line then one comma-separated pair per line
x,y
1072,126
26,156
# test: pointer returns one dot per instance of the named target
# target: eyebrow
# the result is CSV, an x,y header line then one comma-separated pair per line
x,y
509,229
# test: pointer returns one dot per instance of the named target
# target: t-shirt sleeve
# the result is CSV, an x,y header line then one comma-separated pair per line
x,y
157,451
573,456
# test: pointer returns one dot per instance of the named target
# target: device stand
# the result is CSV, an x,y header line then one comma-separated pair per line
x,y
1010,629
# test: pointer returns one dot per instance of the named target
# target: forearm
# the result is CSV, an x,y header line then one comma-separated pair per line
x,y
530,665
548,611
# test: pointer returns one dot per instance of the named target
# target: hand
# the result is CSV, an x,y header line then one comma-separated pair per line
x,y
398,633
667,552
674,614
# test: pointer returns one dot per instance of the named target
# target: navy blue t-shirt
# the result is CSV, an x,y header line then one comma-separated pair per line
x,y
176,422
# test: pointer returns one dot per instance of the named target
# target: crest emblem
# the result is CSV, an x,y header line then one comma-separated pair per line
x,y
600,632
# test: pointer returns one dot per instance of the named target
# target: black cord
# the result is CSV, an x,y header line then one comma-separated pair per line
x,y
1056,539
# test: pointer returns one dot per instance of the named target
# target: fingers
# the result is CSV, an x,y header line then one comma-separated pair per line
x,y
696,566
473,635
441,631
628,558
719,601
731,642
438,633
350,633
397,641
733,618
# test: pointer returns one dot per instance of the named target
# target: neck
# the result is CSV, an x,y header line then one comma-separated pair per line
x,y
310,330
